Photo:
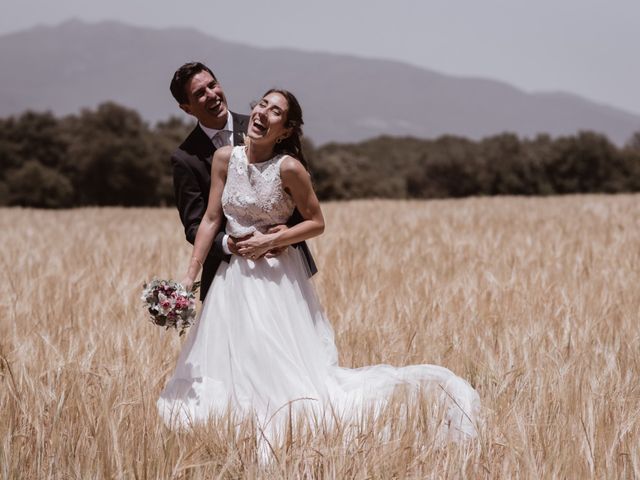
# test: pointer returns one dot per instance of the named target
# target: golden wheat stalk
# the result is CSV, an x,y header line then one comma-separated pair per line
x,y
534,301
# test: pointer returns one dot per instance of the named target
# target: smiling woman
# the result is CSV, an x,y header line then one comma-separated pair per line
x,y
262,345
268,121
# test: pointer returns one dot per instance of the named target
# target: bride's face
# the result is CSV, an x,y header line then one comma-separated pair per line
x,y
268,119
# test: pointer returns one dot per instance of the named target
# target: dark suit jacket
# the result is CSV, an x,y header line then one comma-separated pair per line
x,y
192,181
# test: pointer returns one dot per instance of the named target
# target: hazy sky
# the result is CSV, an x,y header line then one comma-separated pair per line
x,y
586,47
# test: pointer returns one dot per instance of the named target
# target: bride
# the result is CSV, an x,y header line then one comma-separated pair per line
x,y
262,345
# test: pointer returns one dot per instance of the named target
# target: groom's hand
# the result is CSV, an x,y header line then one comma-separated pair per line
x,y
256,246
231,244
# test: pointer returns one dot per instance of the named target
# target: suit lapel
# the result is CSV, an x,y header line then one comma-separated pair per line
x,y
199,144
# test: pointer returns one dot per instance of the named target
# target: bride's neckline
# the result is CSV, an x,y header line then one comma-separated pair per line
x,y
246,156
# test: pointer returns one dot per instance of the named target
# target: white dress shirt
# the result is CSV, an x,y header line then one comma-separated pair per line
x,y
227,129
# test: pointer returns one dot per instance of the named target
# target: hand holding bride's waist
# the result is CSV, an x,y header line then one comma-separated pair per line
x,y
258,244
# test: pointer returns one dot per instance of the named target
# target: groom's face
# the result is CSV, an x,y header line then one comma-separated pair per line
x,y
206,101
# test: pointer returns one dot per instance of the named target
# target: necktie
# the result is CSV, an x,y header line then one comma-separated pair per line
x,y
222,138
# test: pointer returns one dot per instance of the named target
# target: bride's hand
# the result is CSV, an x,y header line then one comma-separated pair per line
x,y
255,246
187,282
274,252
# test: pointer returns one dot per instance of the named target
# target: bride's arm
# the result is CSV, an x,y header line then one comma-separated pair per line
x,y
212,219
297,182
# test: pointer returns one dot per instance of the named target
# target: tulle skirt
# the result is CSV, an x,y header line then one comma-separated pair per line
x,y
263,347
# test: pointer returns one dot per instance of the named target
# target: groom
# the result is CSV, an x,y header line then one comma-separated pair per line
x,y
198,93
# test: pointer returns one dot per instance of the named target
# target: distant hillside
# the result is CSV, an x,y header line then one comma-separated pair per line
x,y
345,98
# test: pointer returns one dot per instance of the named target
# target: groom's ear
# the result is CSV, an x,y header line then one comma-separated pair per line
x,y
185,108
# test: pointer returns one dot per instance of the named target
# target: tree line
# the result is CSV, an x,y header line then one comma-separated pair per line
x,y
110,156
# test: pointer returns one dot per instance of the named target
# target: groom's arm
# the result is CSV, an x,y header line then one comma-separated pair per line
x,y
295,219
191,204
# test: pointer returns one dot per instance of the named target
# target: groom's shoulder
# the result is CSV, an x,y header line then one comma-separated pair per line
x,y
196,145
240,121
192,140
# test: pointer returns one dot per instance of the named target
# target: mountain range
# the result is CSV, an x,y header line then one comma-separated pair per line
x,y
345,98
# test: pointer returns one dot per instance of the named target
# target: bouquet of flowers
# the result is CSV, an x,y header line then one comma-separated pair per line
x,y
169,304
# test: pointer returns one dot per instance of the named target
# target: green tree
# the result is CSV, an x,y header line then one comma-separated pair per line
x,y
10,155
35,185
32,136
634,142
111,158
453,168
167,135
4,194
584,163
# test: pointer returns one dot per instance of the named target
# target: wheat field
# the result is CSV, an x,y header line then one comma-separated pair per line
x,y
535,301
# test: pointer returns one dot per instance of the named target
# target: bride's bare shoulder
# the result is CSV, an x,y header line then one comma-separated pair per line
x,y
292,166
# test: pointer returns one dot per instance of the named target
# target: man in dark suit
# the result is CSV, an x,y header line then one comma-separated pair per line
x,y
198,93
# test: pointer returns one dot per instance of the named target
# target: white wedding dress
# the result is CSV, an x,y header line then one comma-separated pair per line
x,y
262,345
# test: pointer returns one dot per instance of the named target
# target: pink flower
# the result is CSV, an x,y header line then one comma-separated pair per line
x,y
182,303
169,304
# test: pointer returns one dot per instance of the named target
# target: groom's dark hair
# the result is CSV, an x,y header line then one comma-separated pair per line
x,y
182,77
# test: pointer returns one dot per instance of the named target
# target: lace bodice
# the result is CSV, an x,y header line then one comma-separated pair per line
x,y
253,197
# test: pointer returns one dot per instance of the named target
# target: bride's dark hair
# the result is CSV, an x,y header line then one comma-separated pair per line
x,y
292,144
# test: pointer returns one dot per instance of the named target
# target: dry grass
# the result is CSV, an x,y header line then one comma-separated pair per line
x,y
534,301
